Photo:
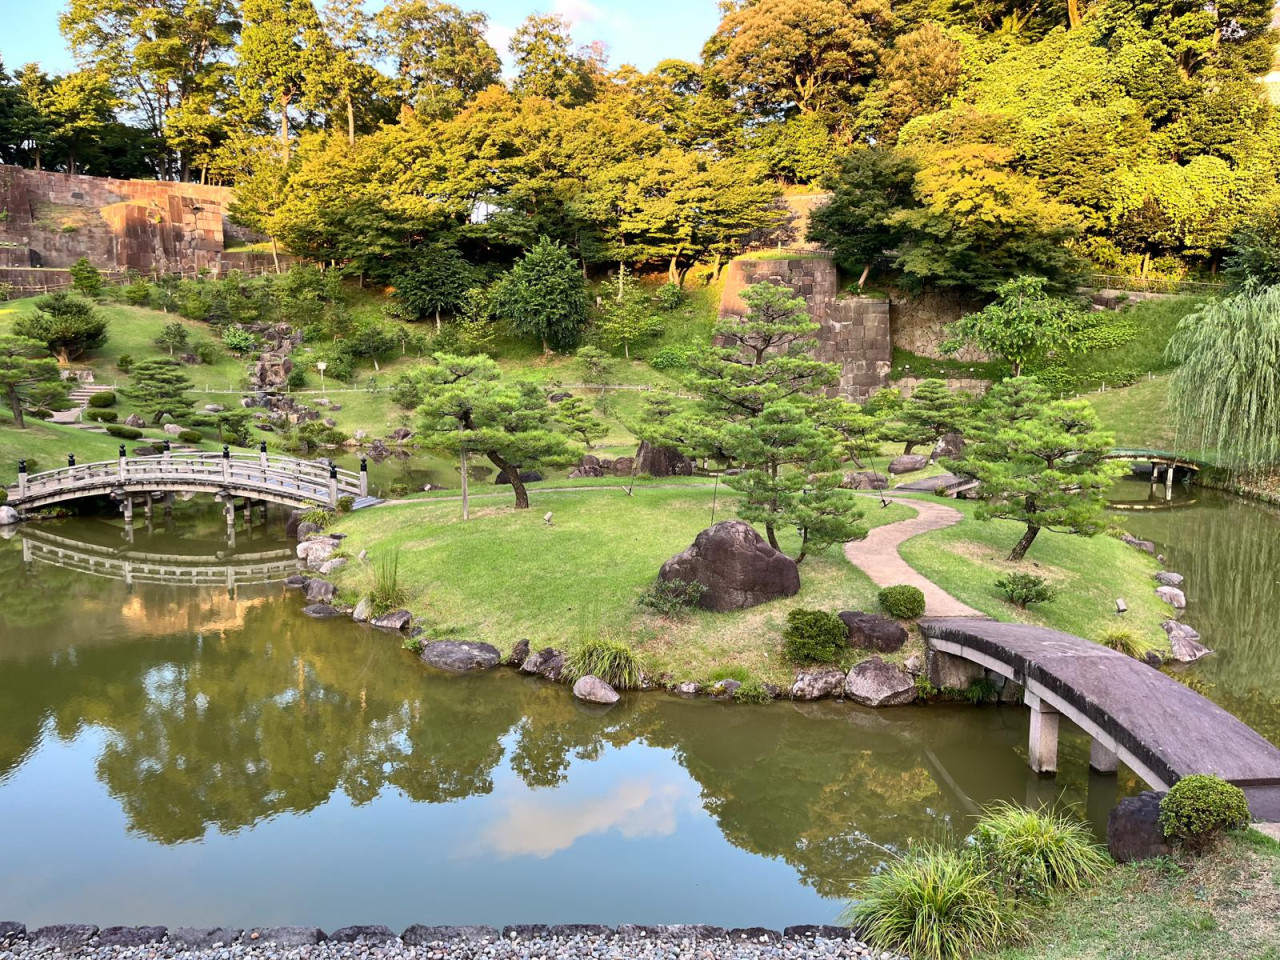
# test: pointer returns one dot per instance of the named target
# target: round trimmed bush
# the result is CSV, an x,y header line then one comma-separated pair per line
x,y
191,436
1198,809
102,416
814,636
104,399
122,432
903,601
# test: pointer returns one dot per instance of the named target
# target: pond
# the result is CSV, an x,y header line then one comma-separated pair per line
x,y
194,754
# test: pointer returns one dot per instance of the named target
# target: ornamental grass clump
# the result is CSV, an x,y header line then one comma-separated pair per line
x,y
933,904
1200,808
1123,640
611,660
1030,853
387,593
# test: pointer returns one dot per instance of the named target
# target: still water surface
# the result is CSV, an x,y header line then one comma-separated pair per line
x,y
181,754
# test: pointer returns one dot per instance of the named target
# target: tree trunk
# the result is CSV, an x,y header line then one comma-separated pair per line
x,y
1023,545
908,447
284,130
437,321
512,474
545,349
771,534
626,350
275,254
804,548
673,272
1073,13
351,120
866,272
15,404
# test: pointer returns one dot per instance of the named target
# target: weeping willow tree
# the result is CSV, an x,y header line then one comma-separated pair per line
x,y
1226,392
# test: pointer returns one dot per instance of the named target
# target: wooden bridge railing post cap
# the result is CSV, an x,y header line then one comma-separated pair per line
x,y
333,470
226,452
262,446
22,466
123,453
364,464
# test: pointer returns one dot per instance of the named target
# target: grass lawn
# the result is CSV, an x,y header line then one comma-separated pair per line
x,y
1225,906
49,444
1089,573
506,574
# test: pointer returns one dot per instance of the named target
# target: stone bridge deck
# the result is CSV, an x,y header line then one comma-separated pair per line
x,y
1160,728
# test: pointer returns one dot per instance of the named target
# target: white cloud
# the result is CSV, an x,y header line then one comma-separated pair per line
x,y
577,11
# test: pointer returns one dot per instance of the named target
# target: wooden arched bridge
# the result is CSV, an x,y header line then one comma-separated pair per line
x,y
252,476
231,571
1162,729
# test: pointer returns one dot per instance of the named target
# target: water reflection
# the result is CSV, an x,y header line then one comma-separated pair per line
x,y
237,727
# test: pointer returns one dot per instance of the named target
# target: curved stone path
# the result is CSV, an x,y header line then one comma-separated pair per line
x,y
877,556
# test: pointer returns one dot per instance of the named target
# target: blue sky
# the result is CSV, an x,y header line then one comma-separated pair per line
x,y
641,32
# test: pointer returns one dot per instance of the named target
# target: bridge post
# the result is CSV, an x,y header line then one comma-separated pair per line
x,y
22,478
127,507
364,476
333,485
226,463
1042,752
71,459
262,455
123,454
168,449
1102,759
1168,483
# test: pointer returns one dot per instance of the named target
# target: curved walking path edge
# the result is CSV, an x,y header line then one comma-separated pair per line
x,y
877,556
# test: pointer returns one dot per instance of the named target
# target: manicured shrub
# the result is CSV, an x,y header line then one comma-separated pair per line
x,y
611,660
190,436
398,490
1022,589
903,601
124,363
123,432
814,636
671,598
297,378
1030,853
1125,641
669,358
104,399
1198,809
318,517
345,504
101,416
138,293
933,904
206,352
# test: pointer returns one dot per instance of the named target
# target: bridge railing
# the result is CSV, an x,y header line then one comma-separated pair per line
x,y
300,479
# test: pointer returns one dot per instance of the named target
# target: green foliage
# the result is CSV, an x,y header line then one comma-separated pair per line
x,y
173,337
932,904
544,296
1039,461
1031,853
387,592
857,224
752,690
627,317
669,359
191,436
86,278
596,364
1225,396
206,352
124,363
671,598
814,636
104,398
610,660
123,432
102,416
67,325
158,387
26,373
1025,323
1022,589
239,341
575,416
670,297
903,601
1198,809
1125,641
931,411
137,293
318,517
346,503
436,280
316,434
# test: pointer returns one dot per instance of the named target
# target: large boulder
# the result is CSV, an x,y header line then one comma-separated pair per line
x,y
1184,641
135,421
315,552
1172,596
949,445
736,566
1133,829
547,662
870,631
908,463
1146,546
585,471
594,690
321,611
526,476
864,480
461,657
623,466
519,653
662,461
875,683
395,620
817,684
173,429
1167,578
320,591
8,516
363,611
63,937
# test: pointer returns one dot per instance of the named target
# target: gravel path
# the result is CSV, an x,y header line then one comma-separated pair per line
x,y
877,556
685,942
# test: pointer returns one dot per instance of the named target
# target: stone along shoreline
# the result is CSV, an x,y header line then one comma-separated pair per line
x,y
521,942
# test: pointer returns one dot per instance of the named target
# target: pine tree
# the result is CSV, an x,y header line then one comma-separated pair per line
x,y
68,325
1039,461
173,337
931,411
159,387
576,418
24,363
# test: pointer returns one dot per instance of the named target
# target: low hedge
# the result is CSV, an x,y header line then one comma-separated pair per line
x,y
104,399
122,432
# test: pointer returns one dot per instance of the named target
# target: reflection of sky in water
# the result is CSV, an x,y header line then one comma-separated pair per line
x,y
623,839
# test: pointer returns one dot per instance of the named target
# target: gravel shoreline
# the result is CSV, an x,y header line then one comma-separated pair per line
x,y
525,942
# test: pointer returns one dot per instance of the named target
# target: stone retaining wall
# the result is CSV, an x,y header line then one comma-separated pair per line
x,y
967,384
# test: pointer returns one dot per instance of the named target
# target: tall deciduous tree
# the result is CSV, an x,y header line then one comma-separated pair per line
x,y
436,280
441,56
24,363
468,406
66,324
1040,462
549,65
1024,324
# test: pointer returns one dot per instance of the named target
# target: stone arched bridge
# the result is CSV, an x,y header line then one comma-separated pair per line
x,y
256,476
